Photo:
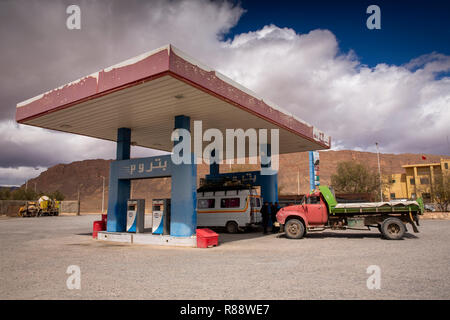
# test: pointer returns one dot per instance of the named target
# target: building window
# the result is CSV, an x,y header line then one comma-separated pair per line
x,y
206,203
446,165
426,196
392,195
393,181
412,181
230,203
424,181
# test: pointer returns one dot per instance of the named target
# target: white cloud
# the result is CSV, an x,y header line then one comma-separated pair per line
x,y
404,108
18,176
27,151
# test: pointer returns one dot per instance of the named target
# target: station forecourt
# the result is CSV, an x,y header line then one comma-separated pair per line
x,y
141,101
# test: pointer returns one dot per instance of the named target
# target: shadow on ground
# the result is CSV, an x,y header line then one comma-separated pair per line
x,y
225,237
343,234
85,234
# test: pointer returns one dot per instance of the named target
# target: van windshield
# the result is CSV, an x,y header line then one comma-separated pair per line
x,y
255,202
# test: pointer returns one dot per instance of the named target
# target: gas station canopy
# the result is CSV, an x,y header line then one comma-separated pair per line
x,y
145,93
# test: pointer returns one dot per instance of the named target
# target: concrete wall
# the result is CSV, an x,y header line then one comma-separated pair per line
x,y
10,207
69,207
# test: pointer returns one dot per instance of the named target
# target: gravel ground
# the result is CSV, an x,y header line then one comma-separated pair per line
x,y
35,254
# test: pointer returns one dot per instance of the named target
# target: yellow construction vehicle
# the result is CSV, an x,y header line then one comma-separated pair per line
x,y
30,209
43,207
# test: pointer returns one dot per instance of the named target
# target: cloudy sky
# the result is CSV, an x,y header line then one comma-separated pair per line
x,y
358,85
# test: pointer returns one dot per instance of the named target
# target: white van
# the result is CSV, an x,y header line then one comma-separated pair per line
x,y
232,209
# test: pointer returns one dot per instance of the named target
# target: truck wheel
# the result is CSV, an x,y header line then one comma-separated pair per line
x,y
232,227
393,229
294,229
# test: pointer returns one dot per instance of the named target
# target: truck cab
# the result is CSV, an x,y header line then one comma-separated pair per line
x,y
312,211
314,206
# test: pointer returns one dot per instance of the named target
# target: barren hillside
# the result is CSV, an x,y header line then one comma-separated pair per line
x,y
87,174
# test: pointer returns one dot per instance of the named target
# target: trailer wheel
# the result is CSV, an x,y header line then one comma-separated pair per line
x,y
393,229
232,227
294,229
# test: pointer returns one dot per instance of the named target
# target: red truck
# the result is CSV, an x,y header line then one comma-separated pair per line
x,y
320,210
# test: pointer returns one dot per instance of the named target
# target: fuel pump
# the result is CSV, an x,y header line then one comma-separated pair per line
x,y
135,215
161,216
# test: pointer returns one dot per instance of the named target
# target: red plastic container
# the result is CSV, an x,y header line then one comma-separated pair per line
x,y
104,217
207,238
98,226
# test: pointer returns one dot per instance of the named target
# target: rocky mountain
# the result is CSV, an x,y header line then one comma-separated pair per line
x,y
293,178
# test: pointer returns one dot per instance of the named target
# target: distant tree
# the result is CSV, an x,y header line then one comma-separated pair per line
x,y
57,195
29,194
441,191
5,194
354,177
22,194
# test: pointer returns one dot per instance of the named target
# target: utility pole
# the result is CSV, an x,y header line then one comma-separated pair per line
x,y
103,195
78,209
379,172
131,189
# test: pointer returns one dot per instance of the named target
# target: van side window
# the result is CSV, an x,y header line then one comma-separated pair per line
x,y
206,203
230,203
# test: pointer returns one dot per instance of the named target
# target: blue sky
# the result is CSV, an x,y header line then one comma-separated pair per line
x,y
408,28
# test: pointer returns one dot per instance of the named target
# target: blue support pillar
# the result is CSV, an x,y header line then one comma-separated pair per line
x,y
311,171
119,190
269,182
268,178
183,220
123,144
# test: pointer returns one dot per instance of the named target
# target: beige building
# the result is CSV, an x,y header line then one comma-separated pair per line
x,y
417,181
